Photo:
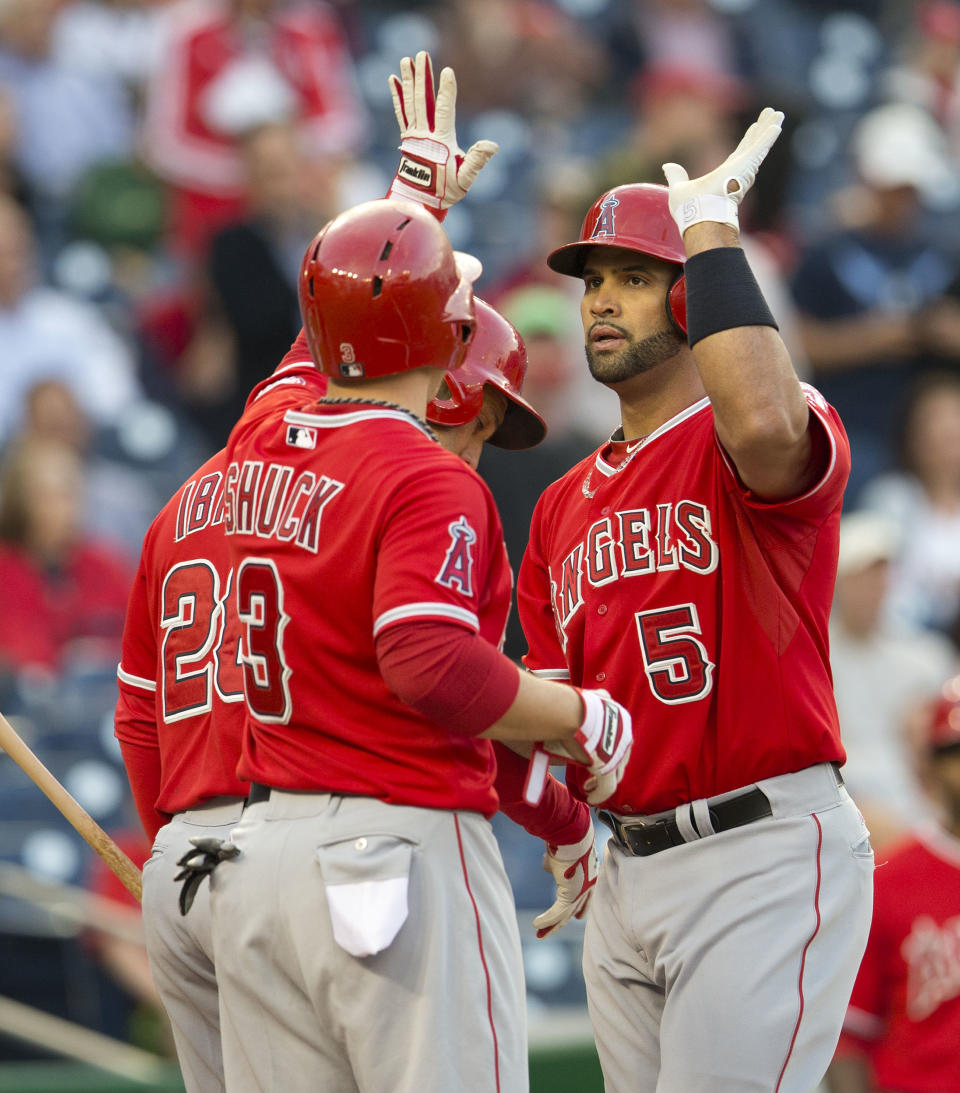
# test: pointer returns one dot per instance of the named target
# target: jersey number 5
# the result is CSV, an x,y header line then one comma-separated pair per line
x,y
676,662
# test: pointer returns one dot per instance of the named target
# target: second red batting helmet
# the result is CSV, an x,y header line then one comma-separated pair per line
x,y
496,356
382,292
635,217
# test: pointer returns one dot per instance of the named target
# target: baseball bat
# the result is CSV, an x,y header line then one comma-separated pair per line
x,y
85,824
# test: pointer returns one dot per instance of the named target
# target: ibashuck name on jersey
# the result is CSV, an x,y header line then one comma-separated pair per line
x,y
264,500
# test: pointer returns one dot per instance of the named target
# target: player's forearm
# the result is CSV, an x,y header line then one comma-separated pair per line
x,y
542,710
759,408
746,370
558,818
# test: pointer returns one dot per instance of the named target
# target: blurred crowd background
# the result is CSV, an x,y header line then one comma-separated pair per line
x,y
163,164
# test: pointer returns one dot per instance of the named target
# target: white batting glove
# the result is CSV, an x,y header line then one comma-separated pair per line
x,y
716,196
605,734
574,868
433,170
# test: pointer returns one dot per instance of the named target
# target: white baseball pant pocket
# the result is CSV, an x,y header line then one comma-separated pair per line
x,y
366,879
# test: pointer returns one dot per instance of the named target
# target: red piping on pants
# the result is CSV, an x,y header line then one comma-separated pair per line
x,y
483,958
803,958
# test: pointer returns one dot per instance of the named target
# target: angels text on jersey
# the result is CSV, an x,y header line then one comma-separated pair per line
x,y
634,543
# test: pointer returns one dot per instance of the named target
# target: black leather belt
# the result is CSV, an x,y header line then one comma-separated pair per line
x,y
642,837
258,794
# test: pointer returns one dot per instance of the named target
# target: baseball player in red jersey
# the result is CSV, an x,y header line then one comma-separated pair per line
x,y
687,567
178,720
364,929
902,1028
181,752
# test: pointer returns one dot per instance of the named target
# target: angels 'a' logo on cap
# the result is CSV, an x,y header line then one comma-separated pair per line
x,y
605,221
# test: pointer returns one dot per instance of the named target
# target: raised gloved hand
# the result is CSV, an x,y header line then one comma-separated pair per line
x,y
433,170
716,196
605,735
574,868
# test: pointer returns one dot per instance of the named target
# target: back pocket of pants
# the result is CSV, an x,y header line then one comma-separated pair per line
x,y
366,879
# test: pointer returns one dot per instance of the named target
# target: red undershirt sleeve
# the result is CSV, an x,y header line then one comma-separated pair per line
x,y
559,819
448,674
136,730
143,770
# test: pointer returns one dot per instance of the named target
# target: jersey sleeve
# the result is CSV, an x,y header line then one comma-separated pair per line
x,y
832,450
545,655
135,719
558,818
438,537
137,671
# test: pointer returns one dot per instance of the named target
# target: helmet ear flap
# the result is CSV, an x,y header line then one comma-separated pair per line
x,y
677,304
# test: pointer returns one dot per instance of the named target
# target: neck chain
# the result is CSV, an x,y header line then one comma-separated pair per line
x,y
417,420
633,447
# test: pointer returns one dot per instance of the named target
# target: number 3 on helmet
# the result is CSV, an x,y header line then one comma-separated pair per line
x,y
635,217
383,292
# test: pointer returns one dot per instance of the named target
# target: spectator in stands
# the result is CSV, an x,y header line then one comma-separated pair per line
x,y
66,119
252,314
927,70
524,55
120,498
45,333
680,114
903,1024
226,67
861,290
879,671
922,497
62,595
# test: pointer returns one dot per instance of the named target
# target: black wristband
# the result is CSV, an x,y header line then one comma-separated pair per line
x,y
722,293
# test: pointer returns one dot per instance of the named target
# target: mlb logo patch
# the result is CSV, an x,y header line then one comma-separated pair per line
x,y
300,436
351,370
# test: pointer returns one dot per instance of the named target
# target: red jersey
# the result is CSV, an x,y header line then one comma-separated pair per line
x,y
180,680
653,573
46,612
343,521
905,1008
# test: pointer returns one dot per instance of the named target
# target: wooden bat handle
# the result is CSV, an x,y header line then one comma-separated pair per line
x,y
126,871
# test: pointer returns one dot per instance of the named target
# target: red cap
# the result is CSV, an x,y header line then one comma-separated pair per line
x,y
635,216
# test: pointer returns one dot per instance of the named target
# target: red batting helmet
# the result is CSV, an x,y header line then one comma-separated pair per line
x,y
635,217
496,356
382,292
943,726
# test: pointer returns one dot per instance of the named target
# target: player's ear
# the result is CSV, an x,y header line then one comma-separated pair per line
x,y
677,304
